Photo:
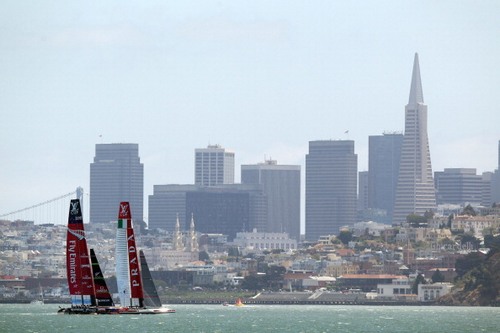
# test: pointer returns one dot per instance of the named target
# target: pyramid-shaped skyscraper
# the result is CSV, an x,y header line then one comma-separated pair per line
x,y
415,193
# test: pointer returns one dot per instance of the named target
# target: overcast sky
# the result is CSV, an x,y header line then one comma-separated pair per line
x,y
260,78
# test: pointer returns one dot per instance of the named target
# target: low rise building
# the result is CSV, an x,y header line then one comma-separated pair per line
x,y
398,289
475,224
366,282
264,241
431,292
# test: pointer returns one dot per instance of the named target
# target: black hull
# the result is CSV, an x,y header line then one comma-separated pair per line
x,y
93,310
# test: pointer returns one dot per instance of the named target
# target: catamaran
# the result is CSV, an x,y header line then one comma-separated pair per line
x,y
78,268
87,286
133,285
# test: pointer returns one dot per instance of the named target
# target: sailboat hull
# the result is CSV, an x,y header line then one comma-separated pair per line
x,y
94,310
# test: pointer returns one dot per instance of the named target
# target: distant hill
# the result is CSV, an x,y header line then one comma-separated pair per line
x,y
478,280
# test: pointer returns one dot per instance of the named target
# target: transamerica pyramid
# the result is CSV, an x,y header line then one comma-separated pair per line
x,y
415,193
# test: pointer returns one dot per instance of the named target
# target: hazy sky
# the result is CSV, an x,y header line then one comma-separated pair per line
x,y
261,78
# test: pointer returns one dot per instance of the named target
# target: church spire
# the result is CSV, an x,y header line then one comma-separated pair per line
x,y
178,245
416,94
193,245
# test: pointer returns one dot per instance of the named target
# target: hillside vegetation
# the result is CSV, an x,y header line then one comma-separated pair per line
x,y
478,278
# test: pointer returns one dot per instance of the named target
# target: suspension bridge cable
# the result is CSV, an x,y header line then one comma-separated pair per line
x,y
40,204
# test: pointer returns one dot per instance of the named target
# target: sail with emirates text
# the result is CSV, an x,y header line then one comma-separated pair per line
x,y
79,271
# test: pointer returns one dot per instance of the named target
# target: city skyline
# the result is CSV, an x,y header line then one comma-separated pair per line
x,y
261,80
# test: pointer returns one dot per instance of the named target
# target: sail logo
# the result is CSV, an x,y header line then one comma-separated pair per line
x,y
101,290
80,234
75,208
124,209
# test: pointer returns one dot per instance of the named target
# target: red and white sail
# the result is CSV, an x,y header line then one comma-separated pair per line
x,y
78,268
128,273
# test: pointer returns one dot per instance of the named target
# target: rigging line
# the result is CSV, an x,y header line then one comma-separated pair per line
x,y
40,204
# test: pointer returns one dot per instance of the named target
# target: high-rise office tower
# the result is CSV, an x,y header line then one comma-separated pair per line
x,y
415,193
495,181
116,175
331,186
213,166
458,186
384,153
225,209
281,186
167,205
362,190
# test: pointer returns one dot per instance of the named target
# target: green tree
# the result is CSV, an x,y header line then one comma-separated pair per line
x,y
203,256
252,282
418,280
492,242
468,210
429,214
437,276
274,276
473,241
469,262
345,236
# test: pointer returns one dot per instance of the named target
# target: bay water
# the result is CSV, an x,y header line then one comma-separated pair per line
x,y
258,318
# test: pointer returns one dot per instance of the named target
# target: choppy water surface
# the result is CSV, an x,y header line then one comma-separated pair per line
x,y
258,318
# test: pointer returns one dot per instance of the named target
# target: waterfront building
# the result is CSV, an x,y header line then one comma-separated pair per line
x,y
399,289
331,186
367,282
458,186
116,175
384,154
214,165
415,193
431,292
281,186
